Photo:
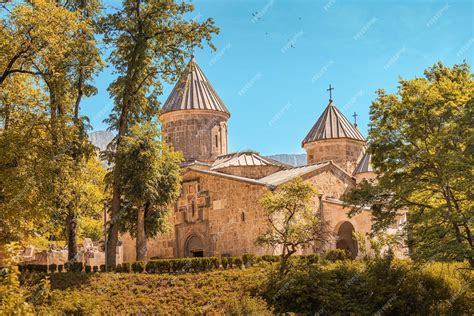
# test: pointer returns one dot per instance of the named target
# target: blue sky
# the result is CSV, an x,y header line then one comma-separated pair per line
x,y
272,68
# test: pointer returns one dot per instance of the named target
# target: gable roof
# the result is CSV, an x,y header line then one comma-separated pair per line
x,y
332,124
245,158
193,91
230,176
364,164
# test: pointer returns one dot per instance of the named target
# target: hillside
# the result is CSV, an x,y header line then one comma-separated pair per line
x,y
127,293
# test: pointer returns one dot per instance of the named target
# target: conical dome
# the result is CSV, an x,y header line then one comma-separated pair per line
x,y
364,165
193,91
332,124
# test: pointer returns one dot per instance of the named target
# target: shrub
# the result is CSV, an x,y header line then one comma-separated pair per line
x,y
338,254
74,266
111,268
118,268
60,268
138,267
53,267
224,262
88,269
126,267
270,258
247,305
230,262
102,268
355,287
311,258
249,259
238,262
95,268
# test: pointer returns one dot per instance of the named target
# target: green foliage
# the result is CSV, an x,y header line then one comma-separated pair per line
x,y
224,262
88,269
95,268
377,286
150,179
138,267
238,262
184,293
53,268
74,266
12,296
293,224
102,268
126,267
338,254
249,259
270,258
421,143
60,268
248,305
182,265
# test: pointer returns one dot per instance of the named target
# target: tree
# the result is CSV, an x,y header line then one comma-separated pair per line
x,y
421,141
151,39
293,222
149,183
55,47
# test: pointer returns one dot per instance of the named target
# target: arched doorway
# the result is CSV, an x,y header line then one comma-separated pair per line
x,y
194,247
345,239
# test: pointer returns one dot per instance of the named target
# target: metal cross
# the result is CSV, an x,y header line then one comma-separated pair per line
x,y
330,92
355,119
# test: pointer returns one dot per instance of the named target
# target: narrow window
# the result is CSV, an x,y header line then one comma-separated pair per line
x,y
243,217
216,142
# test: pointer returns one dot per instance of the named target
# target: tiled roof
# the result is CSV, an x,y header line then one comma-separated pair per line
x,y
245,158
364,164
283,176
332,124
193,91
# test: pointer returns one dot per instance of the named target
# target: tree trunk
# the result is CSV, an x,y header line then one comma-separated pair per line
x,y
112,236
71,222
141,237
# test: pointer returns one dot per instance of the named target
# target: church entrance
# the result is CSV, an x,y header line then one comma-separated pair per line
x,y
345,239
194,247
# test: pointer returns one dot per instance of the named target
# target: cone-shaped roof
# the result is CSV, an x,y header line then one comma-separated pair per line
x,y
193,91
332,124
364,165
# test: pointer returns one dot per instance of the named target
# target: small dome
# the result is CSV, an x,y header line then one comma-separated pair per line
x,y
364,164
332,124
193,91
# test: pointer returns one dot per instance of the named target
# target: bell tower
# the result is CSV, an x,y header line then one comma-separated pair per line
x,y
194,118
334,138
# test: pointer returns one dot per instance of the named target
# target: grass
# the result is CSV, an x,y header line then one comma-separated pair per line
x,y
129,293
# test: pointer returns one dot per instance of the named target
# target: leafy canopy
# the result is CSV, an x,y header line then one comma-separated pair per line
x,y
421,141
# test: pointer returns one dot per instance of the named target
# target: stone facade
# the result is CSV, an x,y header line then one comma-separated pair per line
x,y
200,134
343,151
217,215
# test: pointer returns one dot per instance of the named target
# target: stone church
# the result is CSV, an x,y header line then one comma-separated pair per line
x,y
217,213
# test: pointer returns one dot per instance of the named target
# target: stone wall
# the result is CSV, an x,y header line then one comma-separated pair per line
x,y
344,152
221,213
199,134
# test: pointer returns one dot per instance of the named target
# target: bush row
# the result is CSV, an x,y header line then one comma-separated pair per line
x,y
165,265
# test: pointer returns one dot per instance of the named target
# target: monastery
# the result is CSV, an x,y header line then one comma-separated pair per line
x,y
217,213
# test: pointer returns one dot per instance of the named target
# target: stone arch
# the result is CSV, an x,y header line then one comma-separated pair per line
x,y
345,238
194,246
